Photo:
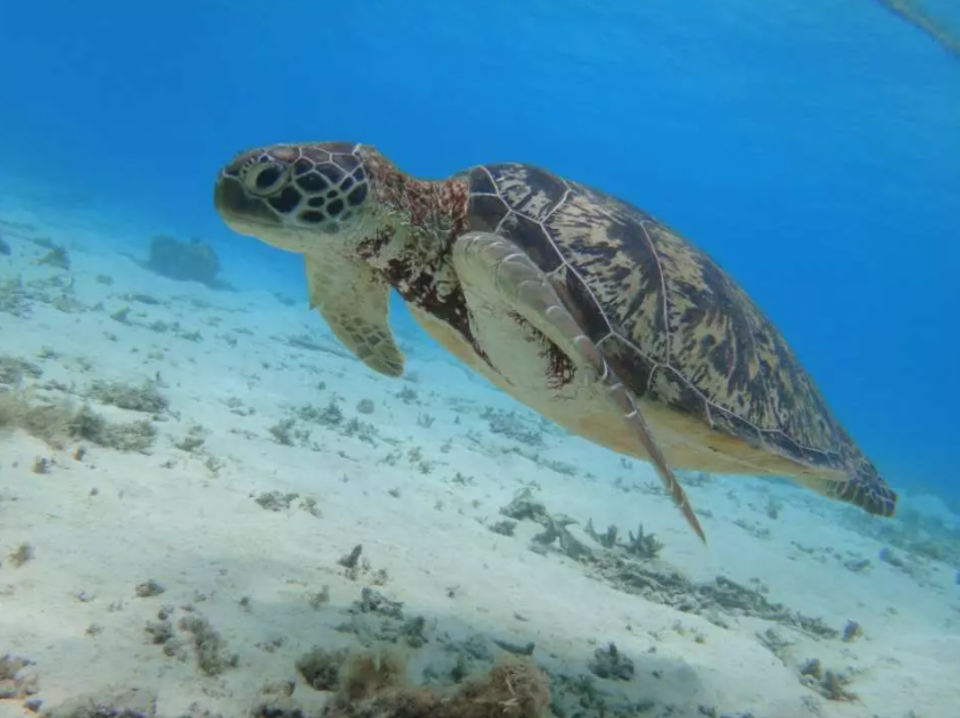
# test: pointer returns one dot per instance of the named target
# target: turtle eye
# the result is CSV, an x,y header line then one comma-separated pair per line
x,y
265,177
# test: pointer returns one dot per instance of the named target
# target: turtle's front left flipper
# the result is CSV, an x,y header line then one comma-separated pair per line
x,y
353,301
495,266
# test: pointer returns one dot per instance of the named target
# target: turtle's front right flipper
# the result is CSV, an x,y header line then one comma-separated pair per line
x,y
494,265
353,300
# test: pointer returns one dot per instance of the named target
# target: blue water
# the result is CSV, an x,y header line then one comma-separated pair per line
x,y
812,148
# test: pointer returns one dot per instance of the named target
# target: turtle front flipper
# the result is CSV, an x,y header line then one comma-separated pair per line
x,y
494,266
352,299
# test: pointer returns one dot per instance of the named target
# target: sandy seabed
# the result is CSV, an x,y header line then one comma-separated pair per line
x,y
184,540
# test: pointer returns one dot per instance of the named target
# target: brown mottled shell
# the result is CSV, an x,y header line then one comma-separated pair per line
x,y
673,325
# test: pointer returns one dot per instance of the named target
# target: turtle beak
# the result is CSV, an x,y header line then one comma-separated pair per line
x,y
250,216
238,209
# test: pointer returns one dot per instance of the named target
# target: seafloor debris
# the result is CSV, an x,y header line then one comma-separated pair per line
x,y
56,257
129,703
511,425
468,679
320,667
13,682
13,370
830,684
556,530
17,296
57,422
504,528
351,559
23,553
150,587
610,663
851,632
144,398
374,684
375,619
279,501
920,536
630,567
525,507
192,630
641,545
212,655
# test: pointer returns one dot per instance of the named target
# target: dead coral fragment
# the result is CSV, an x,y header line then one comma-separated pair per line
x,y
23,553
56,257
830,684
365,675
373,684
320,668
350,560
607,540
504,528
643,545
556,530
524,506
14,297
851,632
58,422
13,370
149,588
610,663
13,684
146,397
130,703
49,422
211,650
509,424
133,436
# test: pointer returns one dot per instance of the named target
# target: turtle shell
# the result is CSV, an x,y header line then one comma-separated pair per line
x,y
675,327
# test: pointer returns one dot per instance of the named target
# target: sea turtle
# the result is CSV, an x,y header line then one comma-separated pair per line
x,y
578,304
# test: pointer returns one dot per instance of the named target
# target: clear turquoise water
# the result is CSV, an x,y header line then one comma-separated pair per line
x,y
813,150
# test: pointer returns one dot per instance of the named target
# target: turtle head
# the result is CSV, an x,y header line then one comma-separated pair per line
x,y
298,197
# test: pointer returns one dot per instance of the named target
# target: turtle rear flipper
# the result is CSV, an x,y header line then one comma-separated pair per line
x,y
872,496
862,489
497,267
352,299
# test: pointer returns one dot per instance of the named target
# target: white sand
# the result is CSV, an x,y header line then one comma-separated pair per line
x,y
101,525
